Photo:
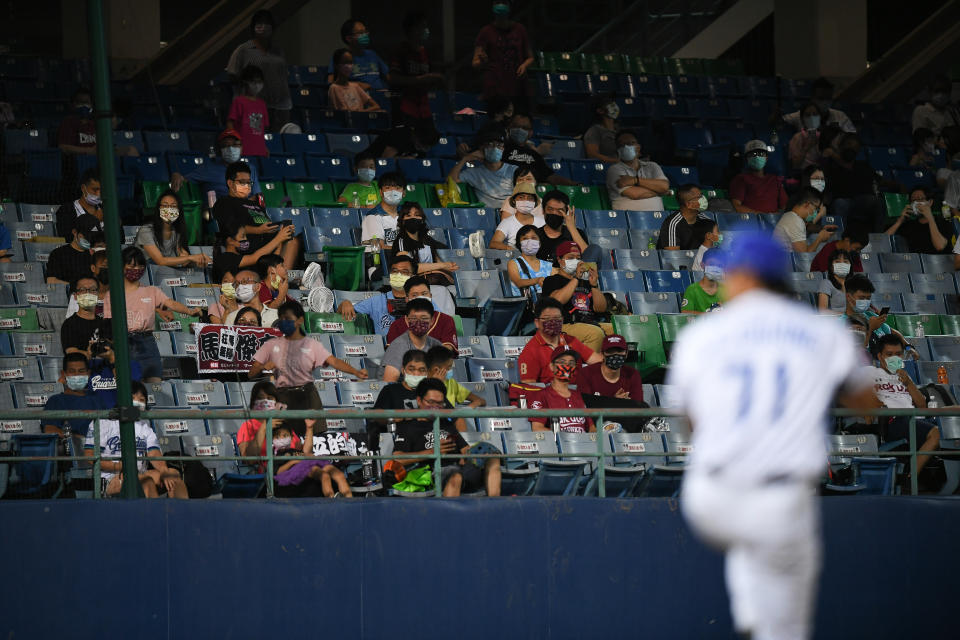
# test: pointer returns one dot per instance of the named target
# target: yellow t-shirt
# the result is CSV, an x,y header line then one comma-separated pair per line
x,y
456,392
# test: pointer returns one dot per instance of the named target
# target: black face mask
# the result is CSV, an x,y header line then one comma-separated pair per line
x,y
553,220
414,225
614,360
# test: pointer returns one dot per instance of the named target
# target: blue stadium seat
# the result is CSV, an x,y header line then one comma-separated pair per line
x,y
457,124
147,167
606,219
493,370
803,261
879,243
669,108
286,166
359,346
481,285
933,283
129,138
22,369
475,347
36,476
936,262
887,157
17,141
507,346
335,217
347,144
183,162
43,164
325,167
361,394
900,263
273,142
688,136
646,220
315,238
676,281
469,220
445,148
32,212
439,218
620,280
731,221
353,296
587,171
159,142
708,109
185,344
870,263
892,300
676,260
736,134
651,303
890,282
421,170
608,240
914,177
300,217
36,343
804,281
636,259
944,348
924,303
927,371
567,150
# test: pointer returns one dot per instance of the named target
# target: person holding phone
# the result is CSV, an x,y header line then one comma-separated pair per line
x,y
791,230
917,224
575,286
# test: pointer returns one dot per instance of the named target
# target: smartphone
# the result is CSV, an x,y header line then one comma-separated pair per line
x,y
884,311
286,223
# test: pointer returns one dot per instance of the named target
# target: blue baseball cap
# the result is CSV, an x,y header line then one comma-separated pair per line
x,y
758,253
713,255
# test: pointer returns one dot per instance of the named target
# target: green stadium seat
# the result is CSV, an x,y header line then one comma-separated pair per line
x,y
671,323
907,324
423,194
19,319
647,65
311,194
333,323
274,194
644,332
950,325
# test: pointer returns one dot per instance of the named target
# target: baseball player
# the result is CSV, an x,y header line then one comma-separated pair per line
x,y
755,380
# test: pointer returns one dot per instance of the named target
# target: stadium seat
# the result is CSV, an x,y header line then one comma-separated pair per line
x,y
676,281
347,144
803,261
950,325
936,263
634,260
890,282
161,394
870,263
914,178
648,220
933,283
734,221
475,347
335,217
357,346
481,285
879,243
875,475
36,344
34,395
361,394
304,143
672,323
48,295
677,260
924,303
325,167
927,371
804,282
283,166
642,332
159,142
944,348
608,219
421,170
507,346
892,300
274,194
900,263
189,394
176,427
496,425
23,369
621,281
300,217
175,276
908,324
493,370
211,445
653,303
33,478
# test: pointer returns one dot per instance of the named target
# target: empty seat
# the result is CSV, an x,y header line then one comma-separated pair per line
x,y
933,283
890,282
804,282
936,262
900,263
34,395
474,219
175,427
25,369
213,445
475,347
653,302
621,281
608,219
508,346
159,142
360,394
650,220
299,216
199,393
160,394
944,348
892,300
927,371
639,259
31,272
360,346
493,369
676,281
36,344
677,260
924,303
481,285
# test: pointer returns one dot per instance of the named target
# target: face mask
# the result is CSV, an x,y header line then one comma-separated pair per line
x,y
419,328
526,206
841,269
83,243
819,184
627,153
243,246
83,109
719,239
450,373
87,300
894,363
245,293
281,443
518,135
412,380
93,200
614,360
366,175
551,327
812,216
169,214
492,154
133,274
811,122
553,220
397,280
392,197
414,225
928,147
713,272
227,290
265,404
940,100
861,305
263,30
77,383
612,110
564,372
363,39
139,404
529,247
230,154
287,327
570,266
757,162
849,155
255,87
703,203
501,9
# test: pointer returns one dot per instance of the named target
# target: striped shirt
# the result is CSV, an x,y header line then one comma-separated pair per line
x,y
677,232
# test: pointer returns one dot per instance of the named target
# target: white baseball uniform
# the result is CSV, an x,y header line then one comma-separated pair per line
x,y
756,379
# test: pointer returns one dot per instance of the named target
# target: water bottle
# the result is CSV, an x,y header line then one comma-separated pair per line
x,y
652,244
945,210
67,439
356,200
942,377
920,330
368,470
522,403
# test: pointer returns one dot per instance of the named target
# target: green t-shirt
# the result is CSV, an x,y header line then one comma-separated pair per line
x,y
456,392
368,196
696,299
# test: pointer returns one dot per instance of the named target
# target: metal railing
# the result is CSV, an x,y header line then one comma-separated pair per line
x,y
598,415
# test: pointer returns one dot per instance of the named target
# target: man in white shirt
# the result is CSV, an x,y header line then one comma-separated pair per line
x,y
247,284
791,229
937,113
632,183
757,408
822,96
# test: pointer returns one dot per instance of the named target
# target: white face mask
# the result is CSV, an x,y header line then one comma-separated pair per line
x,y
169,214
412,380
245,293
819,184
841,269
140,405
281,443
570,266
525,206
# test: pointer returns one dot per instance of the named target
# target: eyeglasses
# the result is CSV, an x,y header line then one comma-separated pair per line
x,y
246,281
244,183
88,290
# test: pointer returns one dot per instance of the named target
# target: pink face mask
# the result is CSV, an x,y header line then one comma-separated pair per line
x,y
419,328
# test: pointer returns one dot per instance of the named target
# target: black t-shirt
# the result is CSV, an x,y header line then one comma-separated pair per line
x,y
917,235
244,212
64,219
77,332
400,138
859,180
67,264
580,306
548,246
417,435
524,156
396,396
677,232
223,262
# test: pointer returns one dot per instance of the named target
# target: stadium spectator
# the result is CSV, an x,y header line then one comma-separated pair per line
x,y
81,329
634,184
917,224
363,193
853,185
519,150
248,112
414,139
560,226
155,477
415,436
99,271
209,175
575,285
600,140
403,393
76,396
522,175
859,291
68,260
410,68
791,228
234,252
419,317
274,279
535,359
6,244
307,478
261,52
491,178
832,295
226,302
712,239
247,284
503,52
938,112
924,144
687,229
442,326
755,191
804,148
440,367
415,240
248,317
524,200
527,272
164,239
369,71
89,202
252,436
78,131
611,377
142,303
564,366
822,97
704,296
379,228
895,390
852,239
345,94
103,376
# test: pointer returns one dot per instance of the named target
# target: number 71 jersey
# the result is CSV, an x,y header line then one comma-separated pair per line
x,y
756,379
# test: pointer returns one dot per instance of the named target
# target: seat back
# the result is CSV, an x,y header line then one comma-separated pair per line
x,y
475,347
481,285
34,475
492,369
359,346
653,303
190,394
508,346
211,445
361,394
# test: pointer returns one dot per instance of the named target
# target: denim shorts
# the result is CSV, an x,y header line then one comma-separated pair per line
x,y
143,349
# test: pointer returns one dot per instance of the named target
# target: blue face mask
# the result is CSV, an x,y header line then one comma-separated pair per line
x,y
77,383
450,374
518,135
492,154
83,243
862,305
501,9
230,154
366,175
894,363
713,272
287,327
363,40
757,162
627,153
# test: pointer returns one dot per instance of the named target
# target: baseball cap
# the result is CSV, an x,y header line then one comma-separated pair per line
x,y
758,253
228,133
613,342
563,350
754,145
566,247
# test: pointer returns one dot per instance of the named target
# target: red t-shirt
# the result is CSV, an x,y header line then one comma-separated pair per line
x,y
248,433
534,360
408,61
505,50
822,260
79,132
250,116
442,328
761,193
592,382
550,399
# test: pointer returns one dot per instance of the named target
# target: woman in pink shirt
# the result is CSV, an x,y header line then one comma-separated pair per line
x,y
344,94
143,303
